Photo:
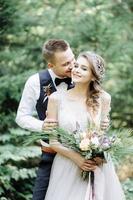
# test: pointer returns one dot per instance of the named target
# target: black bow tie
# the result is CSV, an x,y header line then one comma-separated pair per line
x,y
65,80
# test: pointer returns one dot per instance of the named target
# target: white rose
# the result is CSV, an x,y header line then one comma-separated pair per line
x,y
95,141
83,135
84,144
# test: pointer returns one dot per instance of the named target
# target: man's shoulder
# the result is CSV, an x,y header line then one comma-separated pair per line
x,y
37,77
45,78
34,78
43,71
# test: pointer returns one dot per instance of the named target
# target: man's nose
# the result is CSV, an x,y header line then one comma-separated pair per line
x,y
71,65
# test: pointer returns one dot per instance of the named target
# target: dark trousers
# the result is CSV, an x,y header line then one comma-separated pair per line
x,y
43,174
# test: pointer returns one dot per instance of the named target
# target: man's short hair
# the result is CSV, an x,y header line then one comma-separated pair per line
x,y
51,46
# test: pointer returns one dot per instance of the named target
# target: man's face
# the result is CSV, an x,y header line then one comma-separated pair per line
x,y
63,63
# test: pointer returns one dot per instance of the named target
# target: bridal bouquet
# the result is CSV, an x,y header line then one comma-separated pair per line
x,y
92,143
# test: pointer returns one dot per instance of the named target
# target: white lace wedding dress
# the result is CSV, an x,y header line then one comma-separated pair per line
x,y
65,180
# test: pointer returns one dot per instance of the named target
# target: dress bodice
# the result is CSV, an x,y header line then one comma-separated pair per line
x,y
72,112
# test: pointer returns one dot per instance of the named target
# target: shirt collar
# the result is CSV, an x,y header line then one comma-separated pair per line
x,y
52,74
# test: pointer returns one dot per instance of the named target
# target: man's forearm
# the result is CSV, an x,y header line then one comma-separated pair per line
x,y
30,123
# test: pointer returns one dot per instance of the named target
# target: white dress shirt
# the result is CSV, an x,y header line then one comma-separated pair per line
x,y
26,114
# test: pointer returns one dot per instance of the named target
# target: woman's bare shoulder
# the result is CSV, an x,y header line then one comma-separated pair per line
x,y
54,96
105,96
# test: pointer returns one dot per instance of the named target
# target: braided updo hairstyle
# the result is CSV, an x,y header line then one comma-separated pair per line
x,y
97,67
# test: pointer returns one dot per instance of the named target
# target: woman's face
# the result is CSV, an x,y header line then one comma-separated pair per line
x,y
81,72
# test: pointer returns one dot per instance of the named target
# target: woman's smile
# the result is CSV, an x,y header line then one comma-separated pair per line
x,y
75,75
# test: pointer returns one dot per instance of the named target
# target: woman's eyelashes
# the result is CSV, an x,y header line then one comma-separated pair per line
x,y
84,68
80,66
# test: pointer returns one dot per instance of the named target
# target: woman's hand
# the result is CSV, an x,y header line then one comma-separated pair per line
x,y
86,165
99,161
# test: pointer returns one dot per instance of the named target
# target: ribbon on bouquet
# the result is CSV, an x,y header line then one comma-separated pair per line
x,y
90,187
96,185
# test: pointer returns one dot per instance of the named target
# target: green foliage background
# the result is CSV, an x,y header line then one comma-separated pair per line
x,y
99,25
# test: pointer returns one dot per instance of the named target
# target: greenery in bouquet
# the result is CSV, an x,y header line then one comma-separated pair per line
x,y
92,143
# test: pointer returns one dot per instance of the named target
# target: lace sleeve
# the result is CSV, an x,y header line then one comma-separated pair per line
x,y
105,105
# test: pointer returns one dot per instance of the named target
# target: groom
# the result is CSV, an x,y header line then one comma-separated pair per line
x,y
60,60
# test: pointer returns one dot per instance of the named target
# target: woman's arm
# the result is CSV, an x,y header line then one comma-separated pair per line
x,y
105,109
86,165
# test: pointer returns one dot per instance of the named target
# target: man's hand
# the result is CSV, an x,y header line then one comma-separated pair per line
x,y
105,124
49,124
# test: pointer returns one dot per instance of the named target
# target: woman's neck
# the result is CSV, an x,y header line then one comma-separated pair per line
x,y
79,91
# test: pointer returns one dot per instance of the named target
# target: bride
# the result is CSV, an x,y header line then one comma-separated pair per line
x,y
86,103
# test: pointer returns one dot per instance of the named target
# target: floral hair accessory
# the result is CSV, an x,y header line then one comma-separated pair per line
x,y
98,64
